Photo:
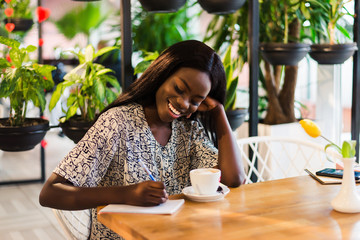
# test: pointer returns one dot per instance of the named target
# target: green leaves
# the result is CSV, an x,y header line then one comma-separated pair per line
x,y
104,50
22,8
148,59
89,84
24,80
325,16
348,149
172,27
230,66
9,42
89,53
84,20
55,96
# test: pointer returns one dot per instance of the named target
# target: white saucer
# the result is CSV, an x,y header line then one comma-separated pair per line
x,y
190,194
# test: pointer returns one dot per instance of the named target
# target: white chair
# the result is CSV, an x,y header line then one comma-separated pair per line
x,y
75,224
281,157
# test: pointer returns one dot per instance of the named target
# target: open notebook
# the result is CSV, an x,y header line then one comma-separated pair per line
x,y
325,180
169,207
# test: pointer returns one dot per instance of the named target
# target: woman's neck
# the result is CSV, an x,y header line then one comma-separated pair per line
x,y
153,119
160,130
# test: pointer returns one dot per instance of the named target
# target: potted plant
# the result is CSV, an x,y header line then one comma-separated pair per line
x,y
221,6
324,24
162,6
18,15
279,82
235,115
22,81
90,92
281,43
155,32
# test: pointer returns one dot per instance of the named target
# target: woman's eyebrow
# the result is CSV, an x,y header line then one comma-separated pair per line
x,y
187,86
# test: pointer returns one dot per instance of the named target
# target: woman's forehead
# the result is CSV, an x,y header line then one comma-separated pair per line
x,y
193,79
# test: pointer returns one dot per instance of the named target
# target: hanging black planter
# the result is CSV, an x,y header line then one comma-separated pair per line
x,y
22,138
75,128
284,53
332,53
162,6
221,6
236,117
21,24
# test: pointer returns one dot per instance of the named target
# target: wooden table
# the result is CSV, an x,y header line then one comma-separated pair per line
x,y
292,208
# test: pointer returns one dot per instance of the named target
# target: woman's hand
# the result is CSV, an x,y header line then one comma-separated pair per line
x,y
148,193
208,104
229,158
59,193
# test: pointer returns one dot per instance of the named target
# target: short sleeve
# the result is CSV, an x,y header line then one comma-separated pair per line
x,y
87,163
203,153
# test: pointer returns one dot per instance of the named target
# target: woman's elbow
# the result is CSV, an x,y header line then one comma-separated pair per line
x,y
237,181
234,184
44,198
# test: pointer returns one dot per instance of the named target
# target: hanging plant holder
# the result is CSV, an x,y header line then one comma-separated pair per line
x,y
236,117
332,53
162,6
75,128
221,6
22,138
284,53
21,24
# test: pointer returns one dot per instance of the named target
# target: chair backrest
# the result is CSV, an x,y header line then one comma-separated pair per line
x,y
281,157
75,224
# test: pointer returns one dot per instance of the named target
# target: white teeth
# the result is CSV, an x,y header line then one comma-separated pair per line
x,y
174,109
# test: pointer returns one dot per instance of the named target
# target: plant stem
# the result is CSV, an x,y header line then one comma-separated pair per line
x,y
286,29
331,29
330,142
25,110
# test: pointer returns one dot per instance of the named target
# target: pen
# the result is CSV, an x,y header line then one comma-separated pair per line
x,y
146,169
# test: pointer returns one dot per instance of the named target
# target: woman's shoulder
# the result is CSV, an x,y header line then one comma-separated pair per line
x,y
127,110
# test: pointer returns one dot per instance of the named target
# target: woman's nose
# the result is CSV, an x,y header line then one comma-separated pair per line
x,y
183,103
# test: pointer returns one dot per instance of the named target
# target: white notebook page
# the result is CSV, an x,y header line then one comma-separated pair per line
x,y
169,207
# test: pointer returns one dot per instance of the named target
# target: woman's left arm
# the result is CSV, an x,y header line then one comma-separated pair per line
x,y
229,158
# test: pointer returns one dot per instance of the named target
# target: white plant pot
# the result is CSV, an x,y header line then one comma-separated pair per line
x,y
348,199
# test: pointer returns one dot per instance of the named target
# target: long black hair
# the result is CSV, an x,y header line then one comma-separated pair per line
x,y
191,54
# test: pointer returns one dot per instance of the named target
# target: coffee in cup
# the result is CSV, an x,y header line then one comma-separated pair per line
x,y
205,181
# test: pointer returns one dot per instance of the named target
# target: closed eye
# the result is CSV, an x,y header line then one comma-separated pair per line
x,y
195,103
178,90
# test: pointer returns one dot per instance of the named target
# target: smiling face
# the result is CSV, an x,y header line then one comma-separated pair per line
x,y
182,93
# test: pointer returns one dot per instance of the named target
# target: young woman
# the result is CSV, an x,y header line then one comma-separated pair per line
x,y
172,118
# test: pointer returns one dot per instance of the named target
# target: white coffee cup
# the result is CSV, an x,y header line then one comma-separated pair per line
x,y
205,181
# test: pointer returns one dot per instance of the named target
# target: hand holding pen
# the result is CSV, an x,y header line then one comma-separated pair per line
x,y
150,193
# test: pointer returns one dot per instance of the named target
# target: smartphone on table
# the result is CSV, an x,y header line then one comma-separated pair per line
x,y
336,173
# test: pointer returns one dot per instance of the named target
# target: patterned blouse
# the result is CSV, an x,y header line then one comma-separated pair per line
x,y
107,155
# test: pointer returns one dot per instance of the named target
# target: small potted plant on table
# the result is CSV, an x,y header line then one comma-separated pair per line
x,y
22,81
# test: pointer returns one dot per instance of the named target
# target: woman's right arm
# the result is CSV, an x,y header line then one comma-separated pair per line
x,y
59,193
